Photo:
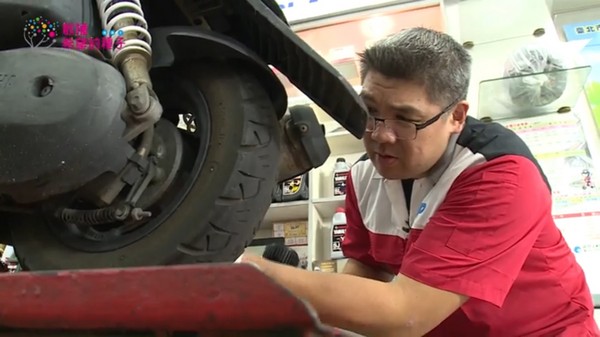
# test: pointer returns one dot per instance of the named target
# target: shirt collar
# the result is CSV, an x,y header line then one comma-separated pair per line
x,y
440,167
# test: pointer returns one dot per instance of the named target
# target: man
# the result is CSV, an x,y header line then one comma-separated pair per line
x,y
457,209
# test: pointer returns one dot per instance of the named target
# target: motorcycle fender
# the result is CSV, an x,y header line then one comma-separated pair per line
x,y
184,44
272,39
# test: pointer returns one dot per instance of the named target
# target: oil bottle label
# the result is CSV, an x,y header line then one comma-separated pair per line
x,y
292,186
337,237
339,182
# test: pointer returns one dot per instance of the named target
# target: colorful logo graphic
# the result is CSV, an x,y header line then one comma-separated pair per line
x,y
75,36
41,32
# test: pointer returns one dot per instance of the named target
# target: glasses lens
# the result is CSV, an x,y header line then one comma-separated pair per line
x,y
370,126
403,130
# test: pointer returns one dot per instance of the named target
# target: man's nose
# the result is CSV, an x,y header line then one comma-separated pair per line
x,y
382,134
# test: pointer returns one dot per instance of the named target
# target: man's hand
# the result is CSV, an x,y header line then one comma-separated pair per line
x,y
250,259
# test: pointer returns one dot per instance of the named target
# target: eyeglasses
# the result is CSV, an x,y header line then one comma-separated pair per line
x,y
404,130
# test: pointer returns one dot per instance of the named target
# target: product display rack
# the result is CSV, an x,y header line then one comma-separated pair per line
x,y
318,210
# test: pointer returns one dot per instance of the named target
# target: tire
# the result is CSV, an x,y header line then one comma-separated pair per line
x,y
225,204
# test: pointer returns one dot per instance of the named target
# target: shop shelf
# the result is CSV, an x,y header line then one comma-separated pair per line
x,y
342,142
495,100
326,206
286,211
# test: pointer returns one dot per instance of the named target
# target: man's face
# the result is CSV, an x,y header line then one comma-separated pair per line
x,y
389,98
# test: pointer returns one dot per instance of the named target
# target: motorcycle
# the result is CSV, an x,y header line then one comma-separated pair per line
x,y
136,133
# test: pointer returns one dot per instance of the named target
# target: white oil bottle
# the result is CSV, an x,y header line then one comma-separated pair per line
x,y
338,230
340,173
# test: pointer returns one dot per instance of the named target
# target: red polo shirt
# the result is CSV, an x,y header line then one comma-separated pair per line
x,y
493,239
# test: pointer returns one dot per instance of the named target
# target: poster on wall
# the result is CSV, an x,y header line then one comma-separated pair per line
x,y
590,32
305,10
582,232
559,145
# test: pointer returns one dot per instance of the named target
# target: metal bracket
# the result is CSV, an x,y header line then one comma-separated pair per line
x,y
304,145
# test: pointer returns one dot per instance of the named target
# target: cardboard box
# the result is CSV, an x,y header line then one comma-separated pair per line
x,y
295,233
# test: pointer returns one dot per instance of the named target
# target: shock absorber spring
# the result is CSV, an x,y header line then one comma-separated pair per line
x,y
93,217
126,16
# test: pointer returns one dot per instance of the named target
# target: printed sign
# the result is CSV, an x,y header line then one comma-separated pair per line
x,y
299,10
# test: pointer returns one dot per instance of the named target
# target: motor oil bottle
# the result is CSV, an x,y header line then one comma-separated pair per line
x,y
338,230
291,189
340,172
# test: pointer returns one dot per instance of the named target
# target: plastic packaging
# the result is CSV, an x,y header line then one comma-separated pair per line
x,y
340,172
546,86
338,230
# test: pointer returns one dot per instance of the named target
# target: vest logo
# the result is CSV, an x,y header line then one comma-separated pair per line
x,y
422,208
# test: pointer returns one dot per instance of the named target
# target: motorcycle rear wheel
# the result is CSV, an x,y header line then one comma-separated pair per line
x,y
227,195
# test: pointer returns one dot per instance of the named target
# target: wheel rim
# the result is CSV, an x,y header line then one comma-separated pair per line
x,y
184,105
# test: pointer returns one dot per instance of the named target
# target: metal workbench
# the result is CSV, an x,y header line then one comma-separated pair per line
x,y
191,300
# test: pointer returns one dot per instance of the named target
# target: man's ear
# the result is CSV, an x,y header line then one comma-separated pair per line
x,y
459,115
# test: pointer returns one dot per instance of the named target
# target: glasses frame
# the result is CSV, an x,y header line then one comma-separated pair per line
x,y
418,126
